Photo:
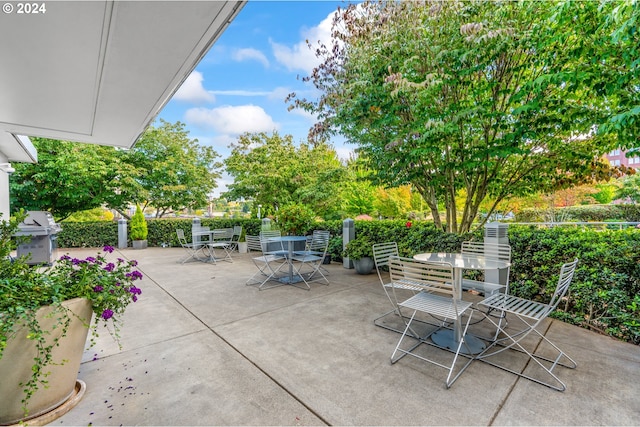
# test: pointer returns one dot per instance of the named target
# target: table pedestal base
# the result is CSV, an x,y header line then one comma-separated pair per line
x,y
444,338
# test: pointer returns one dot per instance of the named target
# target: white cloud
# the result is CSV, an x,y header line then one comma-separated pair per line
x,y
299,56
279,93
344,153
240,92
303,113
251,55
232,120
193,91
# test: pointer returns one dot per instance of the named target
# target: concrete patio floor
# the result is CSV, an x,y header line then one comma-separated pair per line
x,y
201,348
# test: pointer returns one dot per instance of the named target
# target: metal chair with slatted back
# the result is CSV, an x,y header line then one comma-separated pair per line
x,y
268,264
312,259
499,251
532,314
253,243
193,249
437,297
235,237
221,240
382,252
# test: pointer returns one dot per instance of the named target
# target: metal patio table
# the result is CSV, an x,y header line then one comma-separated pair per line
x,y
450,338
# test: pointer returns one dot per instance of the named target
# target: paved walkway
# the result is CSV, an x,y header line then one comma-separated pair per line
x,y
201,348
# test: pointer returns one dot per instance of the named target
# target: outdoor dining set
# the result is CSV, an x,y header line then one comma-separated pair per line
x,y
433,301
426,292
284,260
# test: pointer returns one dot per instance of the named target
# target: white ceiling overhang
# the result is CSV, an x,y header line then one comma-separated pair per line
x,y
99,71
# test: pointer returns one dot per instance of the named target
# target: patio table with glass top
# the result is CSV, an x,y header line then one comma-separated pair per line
x,y
451,338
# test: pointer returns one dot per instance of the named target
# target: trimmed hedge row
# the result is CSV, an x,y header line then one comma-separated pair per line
x,y
604,296
597,213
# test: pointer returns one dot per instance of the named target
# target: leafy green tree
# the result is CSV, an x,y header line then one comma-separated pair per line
x,y
489,98
358,193
69,177
274,172
173,171
630,188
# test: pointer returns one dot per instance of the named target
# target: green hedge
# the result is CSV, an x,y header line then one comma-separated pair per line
x,y
604,296
598,213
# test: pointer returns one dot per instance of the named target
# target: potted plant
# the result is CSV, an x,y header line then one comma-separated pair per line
x,y
360,251
45,316
242,242
139,229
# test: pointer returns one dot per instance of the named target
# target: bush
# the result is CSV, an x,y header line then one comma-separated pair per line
x,y
594,213
138,225
295,219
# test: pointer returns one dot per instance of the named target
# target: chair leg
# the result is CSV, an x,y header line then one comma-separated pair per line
x,y
423,340
514,343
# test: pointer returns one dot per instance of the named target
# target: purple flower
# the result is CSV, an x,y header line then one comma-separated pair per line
x,y
135,274
135,291
65,258
91,259
107,314
76,261
109,267
134,298
108,249
98,288
133,262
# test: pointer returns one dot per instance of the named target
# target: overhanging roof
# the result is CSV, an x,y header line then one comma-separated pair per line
x,y
100,71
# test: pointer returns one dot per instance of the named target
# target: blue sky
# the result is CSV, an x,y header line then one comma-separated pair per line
x,y
241,84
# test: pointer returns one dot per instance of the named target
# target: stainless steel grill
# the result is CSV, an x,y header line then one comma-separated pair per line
x,y
43,230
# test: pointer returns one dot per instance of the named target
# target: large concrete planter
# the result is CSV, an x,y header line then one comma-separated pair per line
x,y
363,265
242,247
17,359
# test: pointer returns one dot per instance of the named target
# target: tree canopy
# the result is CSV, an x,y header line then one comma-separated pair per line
x,y
165,169
69,177
174,172
485,99
275,172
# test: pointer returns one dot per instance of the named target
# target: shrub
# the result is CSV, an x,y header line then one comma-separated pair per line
x,y
295,219
138,225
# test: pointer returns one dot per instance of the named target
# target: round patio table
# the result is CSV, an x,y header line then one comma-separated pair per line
x,y
451,338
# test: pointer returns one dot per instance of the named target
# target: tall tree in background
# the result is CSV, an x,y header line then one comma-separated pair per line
x,y
69,177
275,172
173,171
485,98
165,169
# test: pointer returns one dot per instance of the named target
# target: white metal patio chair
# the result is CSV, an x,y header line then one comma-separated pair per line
x,y
235,237
315,245
499,251
253,243
268,264
273,245
312,259
436,298
221,241
382,252
193,249
532,314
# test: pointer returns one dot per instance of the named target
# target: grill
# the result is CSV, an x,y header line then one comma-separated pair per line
x,y
43,230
